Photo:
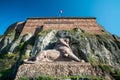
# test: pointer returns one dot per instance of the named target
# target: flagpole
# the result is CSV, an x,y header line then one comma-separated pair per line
x,y
59,15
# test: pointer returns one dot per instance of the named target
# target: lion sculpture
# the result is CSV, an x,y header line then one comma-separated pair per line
x,y
61,52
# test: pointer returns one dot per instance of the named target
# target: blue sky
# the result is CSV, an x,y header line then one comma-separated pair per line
x,y
107,12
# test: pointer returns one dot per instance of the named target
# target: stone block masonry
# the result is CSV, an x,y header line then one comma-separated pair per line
x,y
88,24
59,69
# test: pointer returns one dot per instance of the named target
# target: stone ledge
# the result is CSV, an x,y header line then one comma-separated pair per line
x,y
58,69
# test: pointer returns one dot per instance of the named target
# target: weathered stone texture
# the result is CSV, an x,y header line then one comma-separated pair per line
x,y
58,69
87,24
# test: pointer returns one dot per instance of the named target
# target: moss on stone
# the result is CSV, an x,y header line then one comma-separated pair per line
x,y
117,71
106,68
64,77
92,60
6,62
101,60
12,34
25,57
44,32
111,70
24,78
116,74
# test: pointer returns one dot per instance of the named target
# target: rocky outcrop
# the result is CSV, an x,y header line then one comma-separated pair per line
x,y
1,37
96,49
10,39
17,27
43,42
11,44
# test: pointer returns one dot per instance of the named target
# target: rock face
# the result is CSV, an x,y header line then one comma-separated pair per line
x,y
95,49
43,42
10,41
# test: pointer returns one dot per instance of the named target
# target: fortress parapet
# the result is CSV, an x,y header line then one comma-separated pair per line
x,y
88,24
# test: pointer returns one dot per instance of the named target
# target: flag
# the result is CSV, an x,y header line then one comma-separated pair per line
x,y
61,11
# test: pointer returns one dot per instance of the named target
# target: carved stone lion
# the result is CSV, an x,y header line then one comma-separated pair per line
x,y
61,52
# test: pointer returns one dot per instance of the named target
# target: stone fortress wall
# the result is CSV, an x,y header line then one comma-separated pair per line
x,y
88,24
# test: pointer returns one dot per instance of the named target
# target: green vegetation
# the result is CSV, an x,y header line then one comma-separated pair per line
x,y
24,78
12,34
116,74
7,60
101,60
89,35
103,37
21,48
106,68
24,56
45,78
113,71
92,60
64,77
44,32
73,31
